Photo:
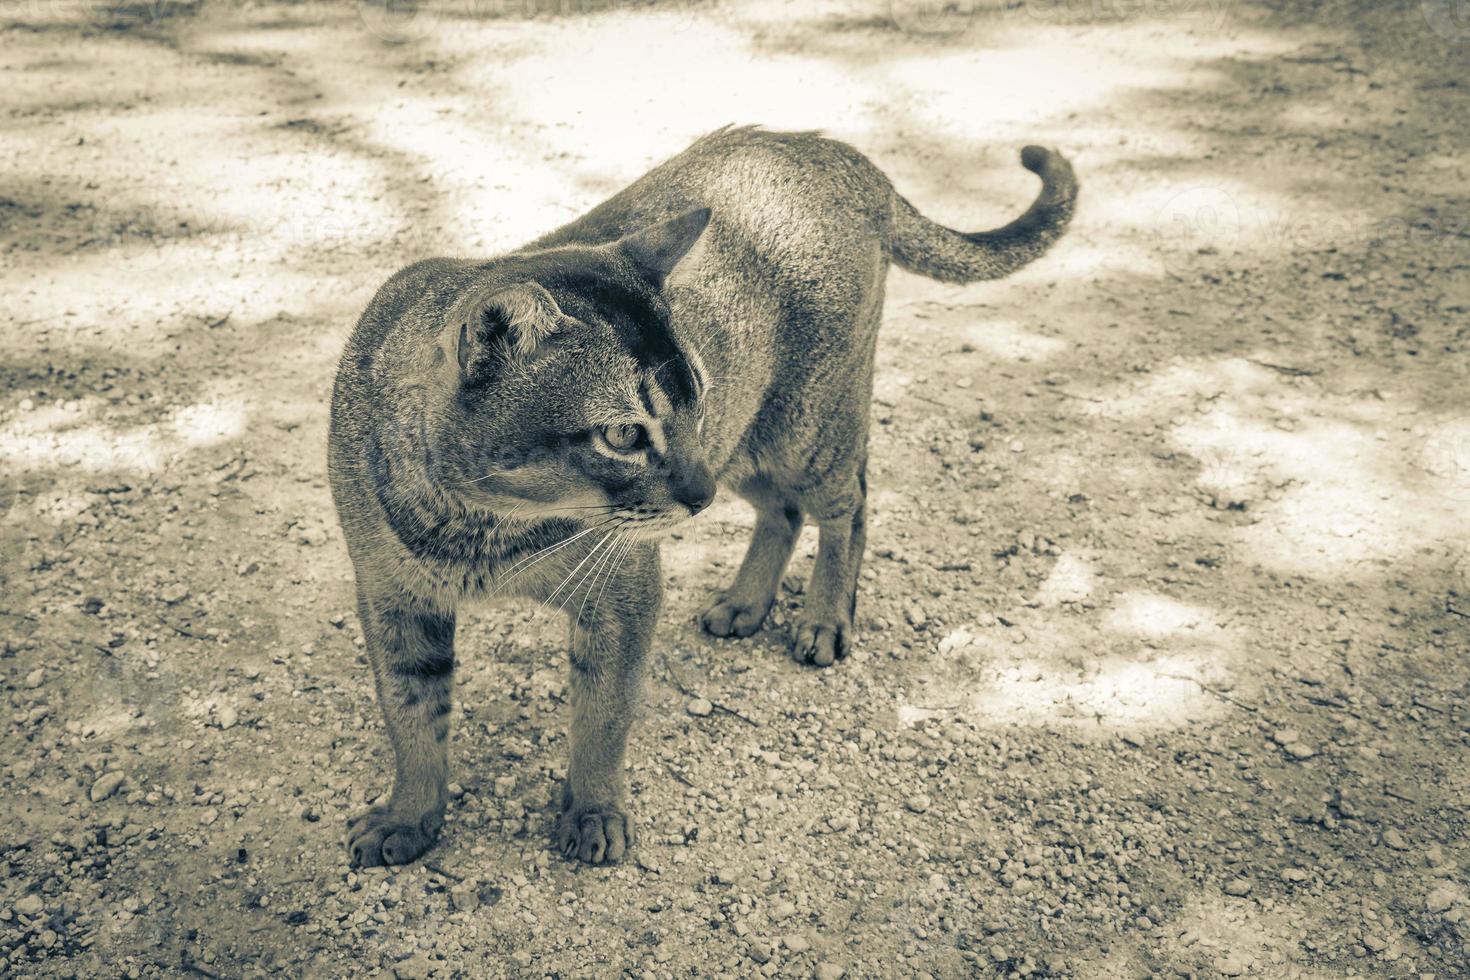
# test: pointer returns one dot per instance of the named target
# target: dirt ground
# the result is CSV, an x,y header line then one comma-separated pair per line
x,y
1163,665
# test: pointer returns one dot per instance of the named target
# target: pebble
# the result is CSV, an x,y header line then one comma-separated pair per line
x,y
827,970
36,678
796,942
466,895
760,951
726,876
1230,966
1300,750
174,594
227,716
1440,899
416,967
699,707
30,905
918,803
1395,840
1238,887
106,786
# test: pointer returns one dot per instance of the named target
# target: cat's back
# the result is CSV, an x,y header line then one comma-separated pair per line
x,y
778,191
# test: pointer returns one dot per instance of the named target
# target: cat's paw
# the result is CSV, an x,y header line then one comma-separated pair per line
x,y
594,834
382,836
728,617
819,643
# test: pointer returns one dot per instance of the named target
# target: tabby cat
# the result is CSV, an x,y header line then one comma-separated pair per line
x,y
532,424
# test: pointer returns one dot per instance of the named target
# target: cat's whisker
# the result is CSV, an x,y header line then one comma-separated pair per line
x,y
604,540
609,508
628,542
478,479
603,567
524,565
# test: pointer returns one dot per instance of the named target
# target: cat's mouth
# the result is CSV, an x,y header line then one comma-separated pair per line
x,y
647,527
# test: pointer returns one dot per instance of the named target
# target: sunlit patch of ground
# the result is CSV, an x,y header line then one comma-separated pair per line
x,y
1318,482
69,435
1222,936
1145,661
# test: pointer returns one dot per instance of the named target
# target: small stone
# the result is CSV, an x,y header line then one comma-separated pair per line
x,y
999,953
209,816
796,942
726,876
1238,887
106,786
1300,750
416,967
1294,874
1440,899
842,822
1230,966
827,970
30,905
227,716
36,678
1395,840
918,803
916,616
455,790
1374,942
174,594
699,707
760,951
465,895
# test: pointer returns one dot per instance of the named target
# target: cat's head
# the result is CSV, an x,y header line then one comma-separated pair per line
x,y
568,393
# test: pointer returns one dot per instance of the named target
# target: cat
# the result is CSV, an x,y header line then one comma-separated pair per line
x,y
532,424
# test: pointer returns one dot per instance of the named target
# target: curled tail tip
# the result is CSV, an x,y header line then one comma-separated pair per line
x,y
1044,162
1035,158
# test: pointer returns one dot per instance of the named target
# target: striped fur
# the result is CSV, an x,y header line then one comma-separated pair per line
x,y
726,304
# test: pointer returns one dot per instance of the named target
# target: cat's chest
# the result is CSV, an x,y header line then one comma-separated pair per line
x,y
462,557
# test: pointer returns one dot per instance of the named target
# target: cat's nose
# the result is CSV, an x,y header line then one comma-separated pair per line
x,y
695,488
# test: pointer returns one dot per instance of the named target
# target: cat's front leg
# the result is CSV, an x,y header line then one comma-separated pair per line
x,y
412,655
610,637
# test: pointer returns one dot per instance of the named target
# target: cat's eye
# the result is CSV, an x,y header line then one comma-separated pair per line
x,y
624,438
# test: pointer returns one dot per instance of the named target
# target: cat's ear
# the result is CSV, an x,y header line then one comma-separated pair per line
x,y
655,250
506,325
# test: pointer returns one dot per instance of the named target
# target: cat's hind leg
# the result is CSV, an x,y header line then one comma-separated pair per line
x,y
740,609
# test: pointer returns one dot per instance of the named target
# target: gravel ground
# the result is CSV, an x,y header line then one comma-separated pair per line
x,y
1164,624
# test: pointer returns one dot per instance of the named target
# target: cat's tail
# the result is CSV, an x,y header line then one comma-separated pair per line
x,y
932,250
